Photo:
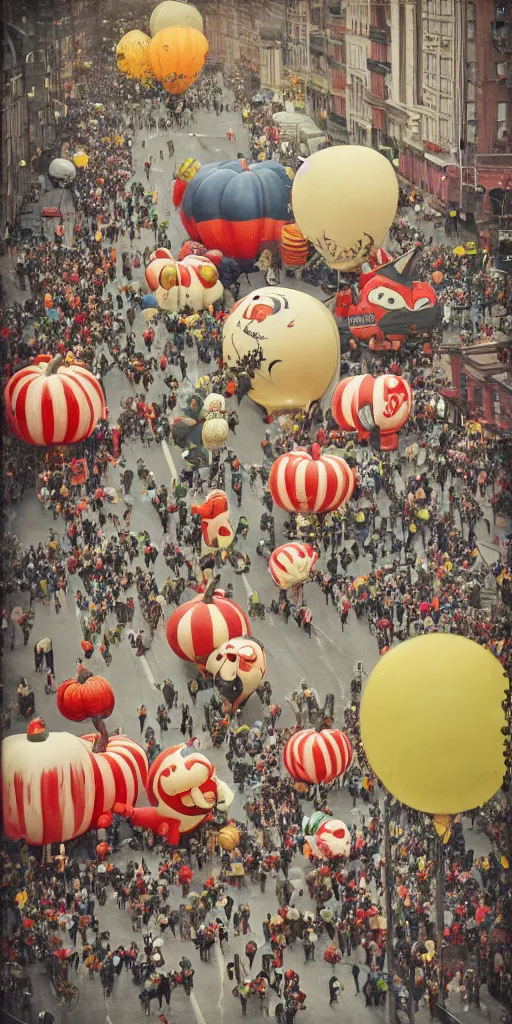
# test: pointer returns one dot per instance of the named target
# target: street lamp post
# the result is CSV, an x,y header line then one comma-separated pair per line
x,y
388,883
440,915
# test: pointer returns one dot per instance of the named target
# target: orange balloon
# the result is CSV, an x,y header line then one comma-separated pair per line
x,y
438,276
177,56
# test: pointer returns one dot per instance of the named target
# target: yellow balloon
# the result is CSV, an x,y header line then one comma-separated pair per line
x,y
80,159
300,343
344,200
187,169
132,55
431,720
174,14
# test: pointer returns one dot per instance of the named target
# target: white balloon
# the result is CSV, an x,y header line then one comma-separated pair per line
x,y
174,14
300,343
344,200
65,170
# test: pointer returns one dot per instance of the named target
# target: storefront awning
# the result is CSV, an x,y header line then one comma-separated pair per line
x,y
440,161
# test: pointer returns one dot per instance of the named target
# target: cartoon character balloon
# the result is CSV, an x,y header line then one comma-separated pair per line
x,y
299,340
175,14
132,56
177,57
235,206
364,402
393,306
215,525
192,282
183,788
344,200
238,668
333,839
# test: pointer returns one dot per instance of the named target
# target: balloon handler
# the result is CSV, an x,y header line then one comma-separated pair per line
x,y
183,790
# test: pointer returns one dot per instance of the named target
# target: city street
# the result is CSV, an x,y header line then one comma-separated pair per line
x,y
325,660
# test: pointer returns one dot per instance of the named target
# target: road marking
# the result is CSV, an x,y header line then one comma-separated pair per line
x,y
197,1010
247,586
149,675
340,649
169,460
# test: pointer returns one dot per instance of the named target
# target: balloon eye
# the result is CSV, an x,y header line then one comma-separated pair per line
x,y
208,275
231,657
169,278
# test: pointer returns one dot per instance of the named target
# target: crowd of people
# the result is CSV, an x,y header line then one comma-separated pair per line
x,y
405,560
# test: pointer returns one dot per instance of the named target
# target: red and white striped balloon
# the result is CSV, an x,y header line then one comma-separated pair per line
x,y
55,789
201,625
290,564
364,402
300,482
48,403
311,756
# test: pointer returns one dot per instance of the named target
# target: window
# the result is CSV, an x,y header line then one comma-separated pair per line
x,y
501,119
471,111
496,403
501,70
445,8
446,67
477,400
446,86
471,71
463,383
470,18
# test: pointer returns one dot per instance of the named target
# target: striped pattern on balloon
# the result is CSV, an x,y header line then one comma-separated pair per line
x,y
291,564
317,757
48,403
303,482
364,402
201,625
55,789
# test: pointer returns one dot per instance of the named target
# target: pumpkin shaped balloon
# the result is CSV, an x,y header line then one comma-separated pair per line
x,y
177,57
198,626
48,403
303,482
92,698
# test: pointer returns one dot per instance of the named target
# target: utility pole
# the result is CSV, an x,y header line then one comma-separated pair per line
x,y
388,884
440,915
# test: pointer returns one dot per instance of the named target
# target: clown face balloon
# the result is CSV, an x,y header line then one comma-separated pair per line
x,y
299,341
333,839
238,667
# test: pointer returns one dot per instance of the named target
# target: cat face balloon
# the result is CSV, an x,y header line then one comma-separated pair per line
x,y
298,343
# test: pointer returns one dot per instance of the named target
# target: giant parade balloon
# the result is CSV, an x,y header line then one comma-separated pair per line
x,y
55,788
238,668
132,56
191,283
299,340
364,402
201,625
431,720
317,757
49,403
235,206
393,306
290,564
62,171
302,481
175,14
177,57
344,200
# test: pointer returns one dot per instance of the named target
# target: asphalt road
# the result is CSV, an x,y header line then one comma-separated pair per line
x,y
325,660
